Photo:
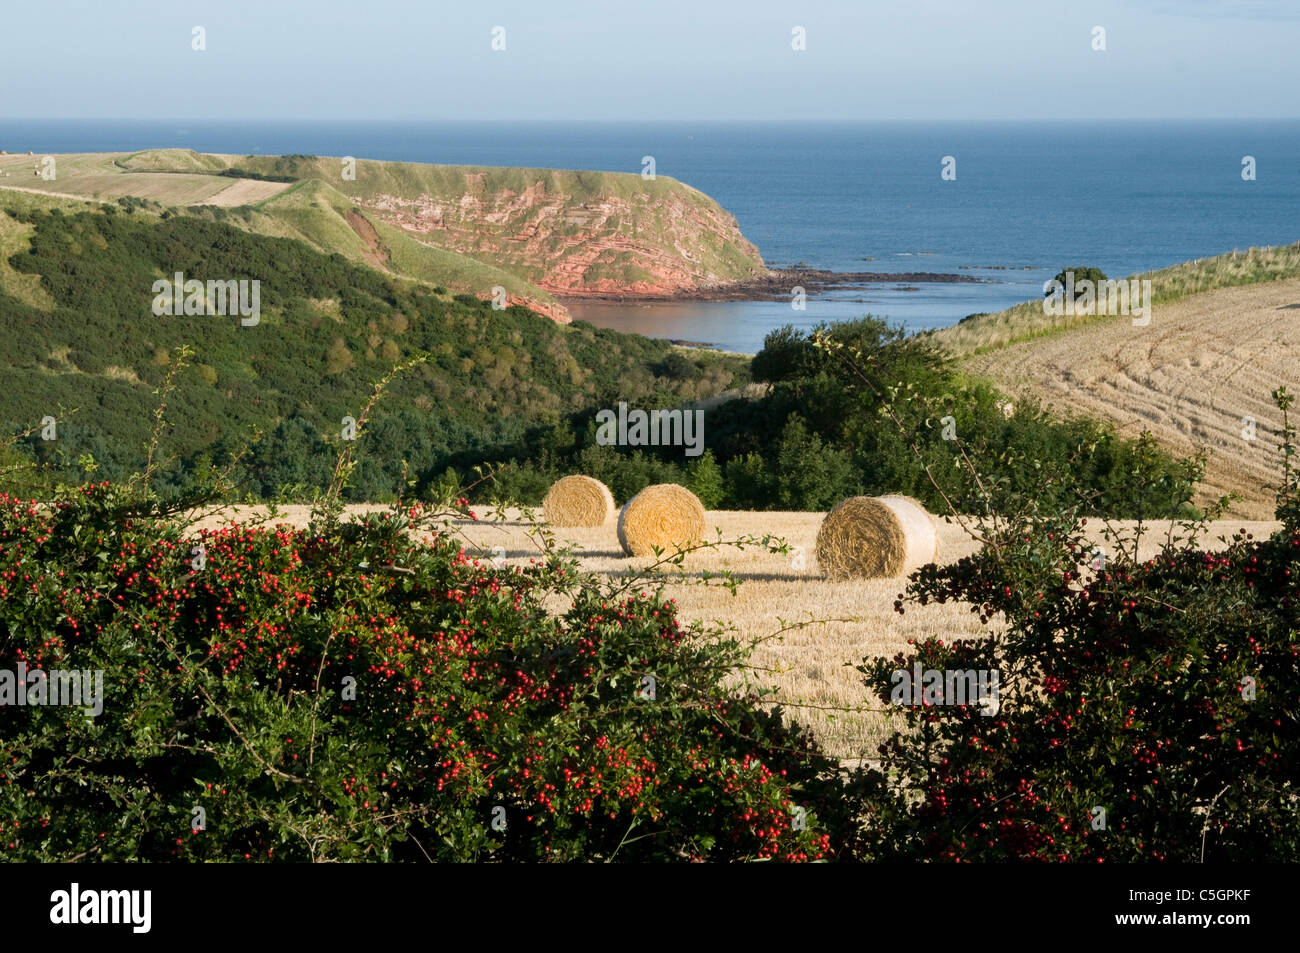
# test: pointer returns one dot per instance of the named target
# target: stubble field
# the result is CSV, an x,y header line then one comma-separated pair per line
x,y
1196,376
810,666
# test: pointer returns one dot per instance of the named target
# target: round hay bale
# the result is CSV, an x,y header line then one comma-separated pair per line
x,y
578,501
876,537
665,515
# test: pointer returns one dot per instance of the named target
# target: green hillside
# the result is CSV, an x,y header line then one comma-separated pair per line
x,y
76,296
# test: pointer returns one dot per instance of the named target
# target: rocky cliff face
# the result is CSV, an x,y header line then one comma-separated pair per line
x,y
541,232
655,243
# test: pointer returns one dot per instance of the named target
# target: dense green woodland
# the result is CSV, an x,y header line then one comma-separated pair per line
x,y
508,388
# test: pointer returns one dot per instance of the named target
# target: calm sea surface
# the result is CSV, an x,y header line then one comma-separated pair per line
x,y
1028,198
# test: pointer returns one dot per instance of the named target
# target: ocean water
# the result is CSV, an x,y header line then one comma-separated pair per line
x,y
1028,198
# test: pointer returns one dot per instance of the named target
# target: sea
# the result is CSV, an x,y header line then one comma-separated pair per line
x,y
1019,201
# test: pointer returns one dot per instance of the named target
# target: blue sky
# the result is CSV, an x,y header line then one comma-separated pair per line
x,y
661,59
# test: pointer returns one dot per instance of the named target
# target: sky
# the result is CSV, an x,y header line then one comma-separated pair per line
x,y
650,60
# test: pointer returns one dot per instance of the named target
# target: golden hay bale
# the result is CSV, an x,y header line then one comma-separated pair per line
x,y
870,537
664,515
578,501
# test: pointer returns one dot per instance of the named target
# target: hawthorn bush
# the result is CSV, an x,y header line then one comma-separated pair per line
x,y
368,690
1149,709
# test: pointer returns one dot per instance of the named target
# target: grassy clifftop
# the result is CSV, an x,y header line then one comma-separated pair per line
x,y
570,232
1025,322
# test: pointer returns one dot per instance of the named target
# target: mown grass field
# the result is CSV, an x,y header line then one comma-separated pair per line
x,y
810,666
1196,377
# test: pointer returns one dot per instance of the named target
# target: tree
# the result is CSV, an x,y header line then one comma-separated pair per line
x,y
1080,273
810,475
294,454
705,481
749,482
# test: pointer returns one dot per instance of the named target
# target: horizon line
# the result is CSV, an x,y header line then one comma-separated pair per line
x,y
625,120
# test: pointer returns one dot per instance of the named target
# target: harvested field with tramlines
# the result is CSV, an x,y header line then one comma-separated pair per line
x,y
1195,376
810,666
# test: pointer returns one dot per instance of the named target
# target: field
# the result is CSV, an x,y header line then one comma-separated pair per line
x,y
1222,334
1204,364
810,667
98,176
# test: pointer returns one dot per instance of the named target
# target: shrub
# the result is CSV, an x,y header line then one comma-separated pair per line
x,y
705,480
349,692
748,482
1147,708
810,475
1080,274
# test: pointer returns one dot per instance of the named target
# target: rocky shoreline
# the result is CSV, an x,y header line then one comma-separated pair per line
x,y
777,285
